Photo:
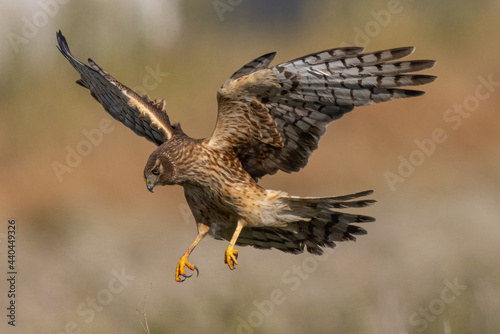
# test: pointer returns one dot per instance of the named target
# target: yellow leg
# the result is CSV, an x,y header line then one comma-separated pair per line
x,y
180,272
232,254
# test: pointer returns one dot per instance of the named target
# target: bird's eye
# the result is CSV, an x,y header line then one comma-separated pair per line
x,y
155,171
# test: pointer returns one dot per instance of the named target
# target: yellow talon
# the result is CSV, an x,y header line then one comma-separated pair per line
x,y
230,257
180,271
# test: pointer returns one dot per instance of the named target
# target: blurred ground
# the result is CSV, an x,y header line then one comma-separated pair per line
x,y
94,246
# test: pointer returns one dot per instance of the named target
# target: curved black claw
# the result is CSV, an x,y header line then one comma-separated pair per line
x,y
183,278
186,276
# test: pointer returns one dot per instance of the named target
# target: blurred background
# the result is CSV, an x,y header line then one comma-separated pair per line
x,y
96,252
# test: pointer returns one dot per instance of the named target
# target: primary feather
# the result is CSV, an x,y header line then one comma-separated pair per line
x,y
274,117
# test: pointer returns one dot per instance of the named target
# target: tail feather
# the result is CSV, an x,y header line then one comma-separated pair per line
x,y
317,225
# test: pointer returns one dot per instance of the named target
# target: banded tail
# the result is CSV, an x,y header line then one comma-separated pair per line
x,y
320,225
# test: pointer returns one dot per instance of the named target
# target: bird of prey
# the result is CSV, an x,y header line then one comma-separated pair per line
x,y
269,119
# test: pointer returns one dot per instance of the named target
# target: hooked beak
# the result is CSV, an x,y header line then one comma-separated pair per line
x,y
149,185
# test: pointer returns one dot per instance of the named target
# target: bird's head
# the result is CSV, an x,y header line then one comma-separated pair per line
x,y
159,170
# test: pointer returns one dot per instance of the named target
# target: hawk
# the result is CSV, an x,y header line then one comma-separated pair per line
x,y
269,119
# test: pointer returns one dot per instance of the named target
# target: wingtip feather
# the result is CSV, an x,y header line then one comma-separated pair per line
x,y
62,44
404,51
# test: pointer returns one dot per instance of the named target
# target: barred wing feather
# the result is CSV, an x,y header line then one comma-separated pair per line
x,y
274,117
143,116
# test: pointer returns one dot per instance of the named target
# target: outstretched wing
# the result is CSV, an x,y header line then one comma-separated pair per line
x,y
274,117
145,117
